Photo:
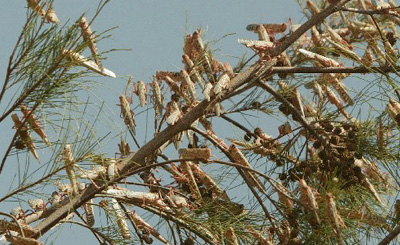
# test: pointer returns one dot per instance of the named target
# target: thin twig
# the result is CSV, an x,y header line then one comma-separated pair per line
x,y
298,115
30,185
129,166
238,125
90,228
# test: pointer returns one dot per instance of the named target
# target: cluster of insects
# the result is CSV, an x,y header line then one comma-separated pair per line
x,y
330,150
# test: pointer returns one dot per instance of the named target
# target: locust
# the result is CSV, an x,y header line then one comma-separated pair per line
x,y
34,122
368,185
208,182
336,37
88,206
339,87
271,28
145,227
173,113
80,60
231,237
189,84
142,93
222,84
24,135
191,69
377,51
158,98
37,204
335,100
124,148
292,95
201,153
193,186
55,199
284,196
199,45
259,236
207,91
89,37
218,109
66,189
262,33
49,15
240,159
256,43
142,198
121,222
173,85
308,199
334,217
18,214
395,104
313,7
380,140
70,168
381,4
324,61
316,37
127,114
367,58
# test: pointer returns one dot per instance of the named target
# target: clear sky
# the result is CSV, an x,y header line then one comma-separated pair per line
x,y
154,31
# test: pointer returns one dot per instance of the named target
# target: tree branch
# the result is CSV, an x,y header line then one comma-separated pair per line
x,y
334,7
354,69
395,232
125,168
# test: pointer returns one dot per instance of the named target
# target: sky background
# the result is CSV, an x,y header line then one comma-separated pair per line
x,y
154,32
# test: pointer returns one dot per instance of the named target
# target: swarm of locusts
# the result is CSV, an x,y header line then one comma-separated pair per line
x,y
321,157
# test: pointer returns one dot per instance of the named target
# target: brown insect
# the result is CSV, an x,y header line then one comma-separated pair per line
x,y
89,212
313,7
308,199
24,135
333,215
142,93
158,98
121,222
124,148
335,101
231,237
70,168
49,15
143,226
127,114
325,61
34,122
37,204
80,60
271,28
240,159
89,37
189,84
